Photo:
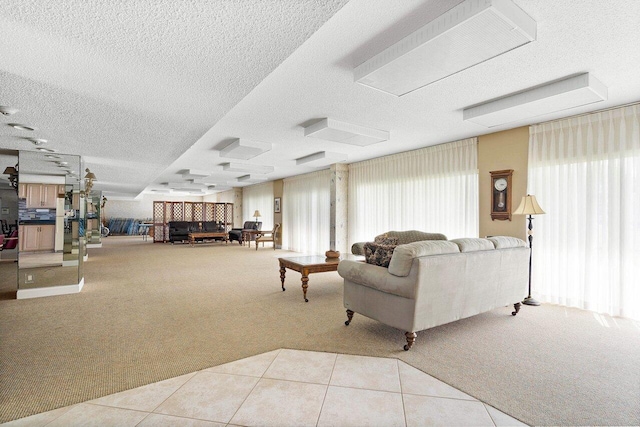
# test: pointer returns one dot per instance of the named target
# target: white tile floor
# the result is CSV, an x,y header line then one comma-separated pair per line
x,y
286,388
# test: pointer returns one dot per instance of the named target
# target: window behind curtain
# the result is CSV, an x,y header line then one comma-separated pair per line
x,y
306,212
585,173
434,189
258,197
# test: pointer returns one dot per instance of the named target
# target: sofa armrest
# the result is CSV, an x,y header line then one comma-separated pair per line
x,y
378,278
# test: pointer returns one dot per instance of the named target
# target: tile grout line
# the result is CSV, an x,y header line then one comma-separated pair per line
x,y
326,391
254,386
404,406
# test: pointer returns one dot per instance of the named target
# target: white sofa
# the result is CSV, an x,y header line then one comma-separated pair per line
x,y
433,282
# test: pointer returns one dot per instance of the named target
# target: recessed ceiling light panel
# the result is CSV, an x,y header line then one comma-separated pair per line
x,y
195,174
347,133
244,149
7,111
243,167
251,178
21,127
560,95
468,34
322,158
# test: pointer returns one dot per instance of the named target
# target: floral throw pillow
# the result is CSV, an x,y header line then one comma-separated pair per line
x,y
383,239
378,254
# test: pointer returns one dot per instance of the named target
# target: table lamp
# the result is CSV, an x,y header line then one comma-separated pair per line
x,y
257,214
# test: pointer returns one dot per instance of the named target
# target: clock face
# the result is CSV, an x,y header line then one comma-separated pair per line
x,y
500,184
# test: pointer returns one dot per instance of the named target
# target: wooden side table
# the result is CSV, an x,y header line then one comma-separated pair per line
x,y
307,265
248,235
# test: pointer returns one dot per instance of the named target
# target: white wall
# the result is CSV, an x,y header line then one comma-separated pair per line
x,y
142,208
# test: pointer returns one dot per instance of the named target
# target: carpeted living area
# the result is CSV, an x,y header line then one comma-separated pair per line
x,y
154,311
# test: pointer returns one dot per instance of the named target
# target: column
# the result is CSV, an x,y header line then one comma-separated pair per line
x,y
339,198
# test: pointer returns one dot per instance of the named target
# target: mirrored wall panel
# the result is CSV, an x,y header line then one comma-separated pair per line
x,y
51,222
94,219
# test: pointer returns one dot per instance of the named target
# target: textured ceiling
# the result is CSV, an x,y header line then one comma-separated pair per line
x,y
145,90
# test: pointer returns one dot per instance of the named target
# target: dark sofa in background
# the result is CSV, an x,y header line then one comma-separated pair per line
x,y
236,233
179,230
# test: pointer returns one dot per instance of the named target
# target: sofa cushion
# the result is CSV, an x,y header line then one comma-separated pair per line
x,y
403,255
504,242
378,254
471,244
410,236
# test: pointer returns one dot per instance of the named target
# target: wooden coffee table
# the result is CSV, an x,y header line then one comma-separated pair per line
x,y
201,235
307,265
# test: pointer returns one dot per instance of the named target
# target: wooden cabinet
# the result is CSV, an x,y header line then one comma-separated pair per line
x,y
41,195
22,191
37,237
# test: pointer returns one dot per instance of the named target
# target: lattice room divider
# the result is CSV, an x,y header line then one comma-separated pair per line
x,y
164,212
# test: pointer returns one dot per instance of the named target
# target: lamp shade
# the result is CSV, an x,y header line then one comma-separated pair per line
x,y
10,170
257,214
529,206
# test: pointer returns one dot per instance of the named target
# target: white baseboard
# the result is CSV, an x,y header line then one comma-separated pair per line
x,y
94,245
50,291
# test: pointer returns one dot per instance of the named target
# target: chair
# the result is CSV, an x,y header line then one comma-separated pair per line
x,y
268,236
12,241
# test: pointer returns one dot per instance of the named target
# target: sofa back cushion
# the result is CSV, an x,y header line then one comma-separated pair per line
x,y
252,225
410,236
473,244
403,255
180,226
384,239
212,226
505,242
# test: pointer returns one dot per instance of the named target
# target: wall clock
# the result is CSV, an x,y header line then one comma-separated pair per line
x,y
501,195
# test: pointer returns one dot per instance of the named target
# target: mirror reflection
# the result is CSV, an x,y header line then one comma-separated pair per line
x,y
50,220
8,216
94,219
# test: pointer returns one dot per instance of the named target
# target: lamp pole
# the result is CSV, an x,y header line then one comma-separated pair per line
x,y
529,206
529,300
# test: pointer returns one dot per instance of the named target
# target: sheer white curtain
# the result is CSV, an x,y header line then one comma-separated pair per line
x,y
585,173
434,189
258,197
306,212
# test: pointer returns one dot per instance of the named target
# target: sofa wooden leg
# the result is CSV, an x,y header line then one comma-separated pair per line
x,y
517,307
349,317
411,338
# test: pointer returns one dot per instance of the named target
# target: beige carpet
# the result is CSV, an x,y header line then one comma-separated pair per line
x,y
154,311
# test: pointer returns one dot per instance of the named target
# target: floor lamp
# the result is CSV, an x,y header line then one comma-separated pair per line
x,y
529,206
